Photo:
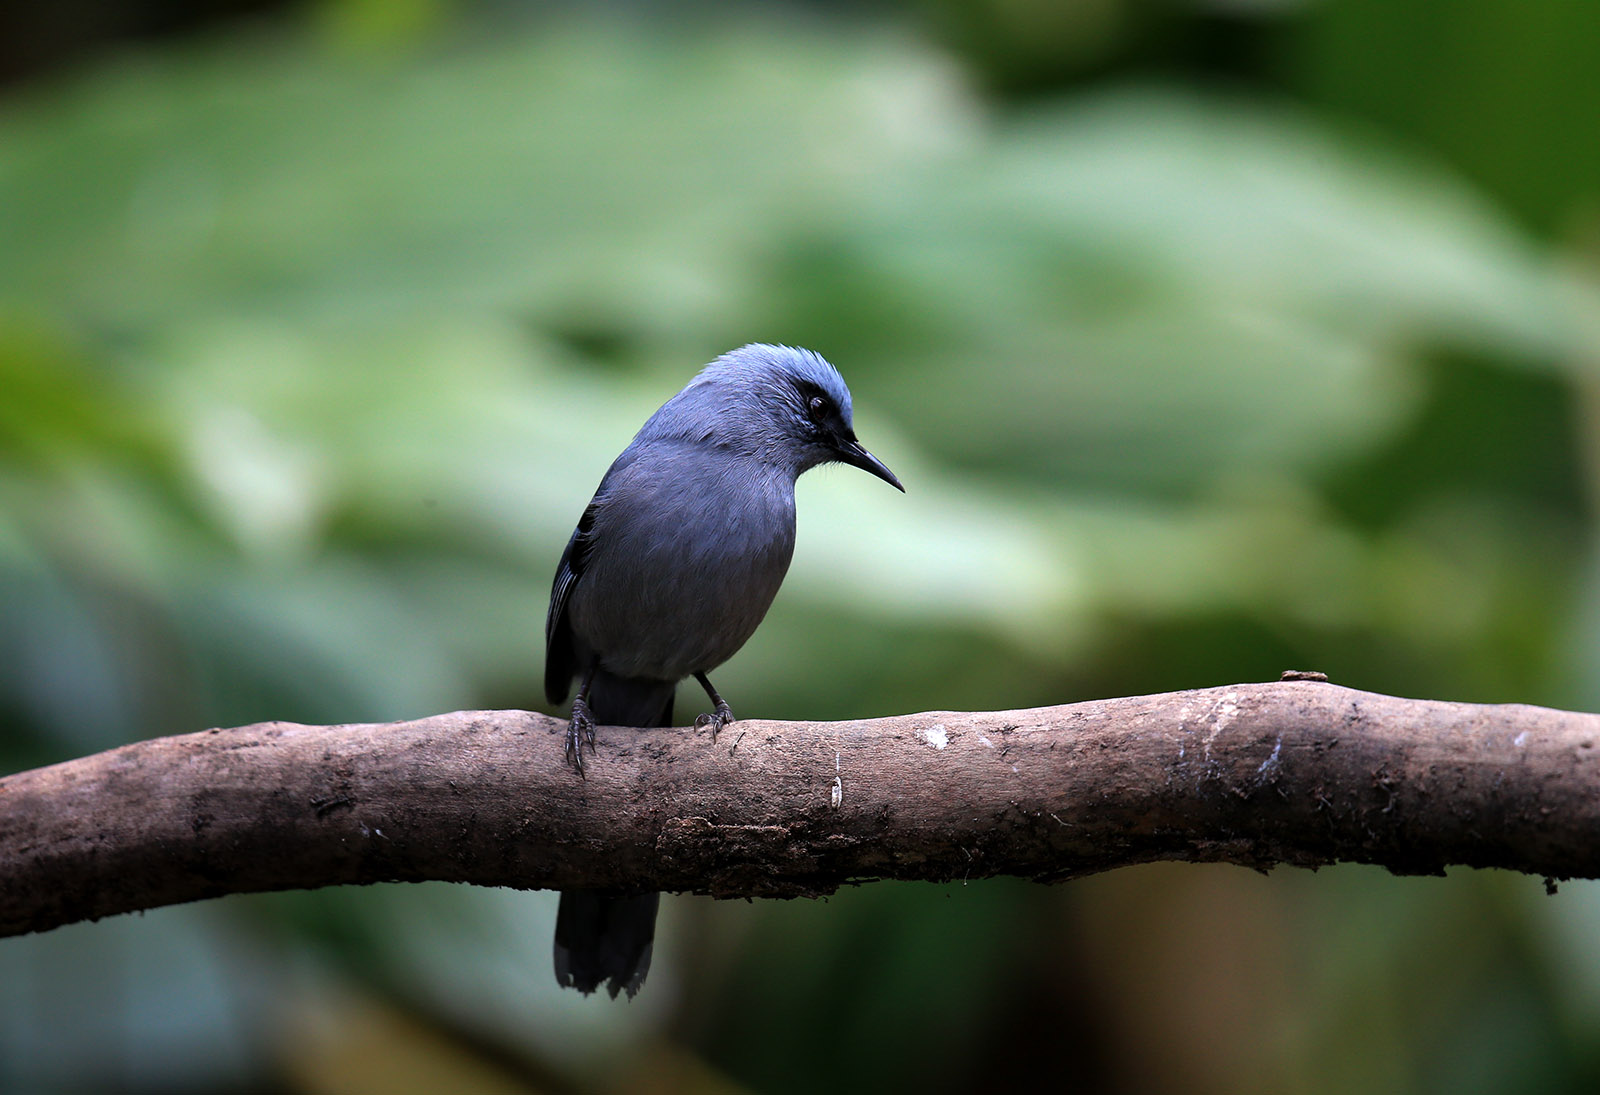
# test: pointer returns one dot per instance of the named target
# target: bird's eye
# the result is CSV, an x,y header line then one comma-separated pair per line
x,y
816,407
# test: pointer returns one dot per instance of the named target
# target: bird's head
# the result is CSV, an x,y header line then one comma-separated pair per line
x,y
789,404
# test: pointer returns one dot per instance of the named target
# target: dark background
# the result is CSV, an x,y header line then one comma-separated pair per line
x,y
1211,339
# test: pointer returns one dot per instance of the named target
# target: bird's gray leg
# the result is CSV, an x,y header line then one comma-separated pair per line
x,y
720,717
580,730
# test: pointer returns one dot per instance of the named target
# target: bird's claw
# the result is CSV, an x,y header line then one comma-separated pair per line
x,y
580,732
715,721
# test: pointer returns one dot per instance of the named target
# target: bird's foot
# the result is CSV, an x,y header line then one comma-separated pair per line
x,y
714,720
580,732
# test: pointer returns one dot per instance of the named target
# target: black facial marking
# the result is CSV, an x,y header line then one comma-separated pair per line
x,y
820,408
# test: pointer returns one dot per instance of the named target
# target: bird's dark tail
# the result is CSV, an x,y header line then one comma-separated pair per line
x,y
604,937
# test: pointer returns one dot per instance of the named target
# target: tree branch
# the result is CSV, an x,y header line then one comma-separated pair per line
x,y
1294,772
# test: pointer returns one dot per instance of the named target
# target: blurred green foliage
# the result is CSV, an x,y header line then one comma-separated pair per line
x,y
1211,340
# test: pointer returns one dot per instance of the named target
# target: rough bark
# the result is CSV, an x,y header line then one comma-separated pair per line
x,y
1295,772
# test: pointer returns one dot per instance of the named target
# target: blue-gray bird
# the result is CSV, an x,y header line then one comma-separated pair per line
x,y
670,570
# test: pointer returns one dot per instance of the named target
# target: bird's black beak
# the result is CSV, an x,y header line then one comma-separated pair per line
x,y
853,452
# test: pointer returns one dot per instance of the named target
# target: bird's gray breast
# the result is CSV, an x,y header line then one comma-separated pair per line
x,y
690,546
